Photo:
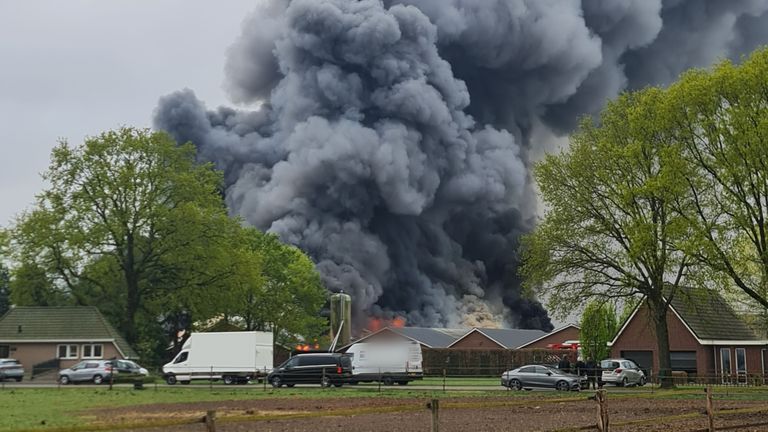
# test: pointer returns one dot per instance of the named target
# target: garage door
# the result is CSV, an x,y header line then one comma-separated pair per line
x,y
683,361
644,359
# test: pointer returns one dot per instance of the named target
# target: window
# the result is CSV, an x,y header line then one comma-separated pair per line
x,y
67,351
181,358
528,369
725,362
5,351
92,351
542,370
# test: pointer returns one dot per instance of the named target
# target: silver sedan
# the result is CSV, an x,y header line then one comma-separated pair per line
x,y
535,376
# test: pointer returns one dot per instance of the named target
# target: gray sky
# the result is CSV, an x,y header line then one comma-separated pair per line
x,y
76,68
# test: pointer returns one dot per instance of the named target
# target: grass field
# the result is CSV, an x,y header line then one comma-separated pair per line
x,y
46,408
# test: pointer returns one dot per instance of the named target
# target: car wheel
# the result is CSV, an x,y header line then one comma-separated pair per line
x,y
387,380
170,379
325,382
562,386
642,381
98,379
624,382
229,380
277,382
515,385
64,380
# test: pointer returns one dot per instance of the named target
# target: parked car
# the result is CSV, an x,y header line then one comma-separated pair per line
x,y
622,372
127,369
537,376
325,369
11,369
95,371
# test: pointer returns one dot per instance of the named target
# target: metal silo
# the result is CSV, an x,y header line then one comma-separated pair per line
x,y
341,318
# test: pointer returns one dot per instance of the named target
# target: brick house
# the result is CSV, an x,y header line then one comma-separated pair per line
x,y
706,339
569,332
59,337
427,337
484,338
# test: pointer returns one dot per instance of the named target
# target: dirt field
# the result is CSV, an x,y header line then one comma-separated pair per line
x,y
533,413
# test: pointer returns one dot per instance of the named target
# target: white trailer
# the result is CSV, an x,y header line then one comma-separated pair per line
x,y
234,357
388,362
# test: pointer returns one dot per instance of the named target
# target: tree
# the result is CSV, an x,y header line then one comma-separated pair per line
x,y
609,231
132,215
285,296
5,290
598,327
722,127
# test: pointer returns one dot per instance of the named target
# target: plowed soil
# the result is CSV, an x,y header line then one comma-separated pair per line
x,y
535,413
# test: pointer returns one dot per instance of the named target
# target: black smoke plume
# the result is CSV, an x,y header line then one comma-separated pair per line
x,y
391,139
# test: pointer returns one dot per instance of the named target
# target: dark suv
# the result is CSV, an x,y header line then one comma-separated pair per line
x,y
325,369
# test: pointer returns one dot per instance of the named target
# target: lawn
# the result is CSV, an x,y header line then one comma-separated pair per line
x,y
41,408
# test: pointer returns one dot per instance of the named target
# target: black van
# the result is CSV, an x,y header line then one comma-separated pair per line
x,y
325,369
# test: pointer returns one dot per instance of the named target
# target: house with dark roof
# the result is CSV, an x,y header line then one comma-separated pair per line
x,y
427,337
59,336
562,335
492,338
706,339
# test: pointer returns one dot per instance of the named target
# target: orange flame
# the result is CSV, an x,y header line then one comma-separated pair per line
x,y
376,324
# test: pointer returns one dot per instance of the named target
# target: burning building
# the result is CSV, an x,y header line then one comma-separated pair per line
x,y
392,139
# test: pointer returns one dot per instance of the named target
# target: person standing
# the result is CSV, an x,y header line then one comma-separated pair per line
x,y
592,371
565,364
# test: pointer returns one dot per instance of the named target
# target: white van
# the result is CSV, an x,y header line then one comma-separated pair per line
x,y
233,357
388,362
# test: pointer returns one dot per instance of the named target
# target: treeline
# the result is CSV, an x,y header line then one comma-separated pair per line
x,y
132,223
666,191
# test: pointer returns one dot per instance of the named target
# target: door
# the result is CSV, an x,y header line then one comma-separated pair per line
x,y
741,365
290,372
545,377
527,376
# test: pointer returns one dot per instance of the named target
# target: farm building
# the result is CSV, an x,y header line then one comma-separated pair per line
x,y
50,338
706,338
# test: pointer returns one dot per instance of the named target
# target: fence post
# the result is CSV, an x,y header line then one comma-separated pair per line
x,y
434,406
210,380
710,411
443,380
602,412
210,421
323,379
379,381
264,379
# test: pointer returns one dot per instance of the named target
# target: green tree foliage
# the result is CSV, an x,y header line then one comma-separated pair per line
x,y
598,327
721,120
610,230
5,290
130,218
284,294
5,279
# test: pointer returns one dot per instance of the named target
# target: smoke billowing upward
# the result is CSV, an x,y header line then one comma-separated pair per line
x,y
391,139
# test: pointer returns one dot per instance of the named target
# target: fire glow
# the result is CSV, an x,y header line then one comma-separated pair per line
x,y
376,324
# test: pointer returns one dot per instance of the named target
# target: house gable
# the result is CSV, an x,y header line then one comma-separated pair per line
x,y
476,339
560,335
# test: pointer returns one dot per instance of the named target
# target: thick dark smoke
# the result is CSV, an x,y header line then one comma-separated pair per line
x,y
392,137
